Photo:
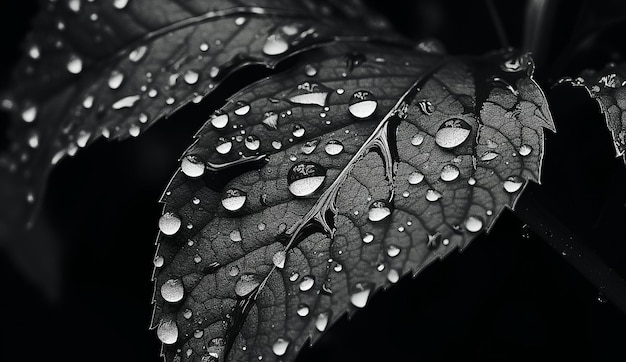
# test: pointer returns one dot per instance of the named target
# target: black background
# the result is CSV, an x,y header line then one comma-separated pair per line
x,y
509,296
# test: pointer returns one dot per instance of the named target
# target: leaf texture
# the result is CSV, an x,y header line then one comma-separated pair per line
x,y
113,68
607,87
312,189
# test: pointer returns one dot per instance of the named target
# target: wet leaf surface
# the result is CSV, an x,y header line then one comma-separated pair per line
x,y
309,191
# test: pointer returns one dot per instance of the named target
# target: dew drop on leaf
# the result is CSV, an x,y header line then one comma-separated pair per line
x,y
525,150
191,77
393,251
167,331
309,93
449,173
362,105
280,346
137,54
303,310
310,70
219,121
29,114
360,295
379,210
234,199
235,236
309,146
126,102
304,178
246,284
270,120
298,130
307,283
433,195
488,156
279,259
417,139
191,166
473,224
513,184
368,238
34,52
223,146
120,4
158,261
321,321
452,133
242,108
275,44
427,107
393,276
115,79
233,271
252,143
169,223
333,147
172,290
415,178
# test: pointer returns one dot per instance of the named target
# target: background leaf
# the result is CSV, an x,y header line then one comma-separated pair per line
x,y
310,190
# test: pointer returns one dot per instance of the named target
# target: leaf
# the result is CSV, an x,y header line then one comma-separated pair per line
x,y
114,68
310,190
607,87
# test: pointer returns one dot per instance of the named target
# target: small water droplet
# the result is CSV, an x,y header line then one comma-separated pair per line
x,y
310,70
242,108
333,147
433,195
277,145
137,54
513,184
191,77
279,259
417,139
303,310
307,283
173,290
204,47
74,5
169,223
192,166
473,224
309,146
525,150
240,20
235,236
158,261
471,181
120,4
167,331
293,277
83,137
361,293
452,133
393,276
321,322
449,173
134,130
368,238
270,120
234,199
115,79
379,210
29,114
393,251
309,93
488,156
305,178
187,314
88,102
280,346
233,271
246,284
427,107
415,178
252,143
275,45
219,121
223,146
298,130
363,104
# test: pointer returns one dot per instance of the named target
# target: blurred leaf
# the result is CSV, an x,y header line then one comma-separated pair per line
x,y
311,189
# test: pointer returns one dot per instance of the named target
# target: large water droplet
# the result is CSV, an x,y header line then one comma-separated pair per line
x,y
360,294
246,284
275,44
280,346
363,104
473,224
305,178
379,210
223,146
452,133
252,143
191,77
234,199
169,223
307,283
192,166
333,147
242,108
393,251
279,259
173,290
525,150
120,4
433,195
298,131
219,121
393,276
115,79
449,173
415,178
513,184
309,93
321,322
167,331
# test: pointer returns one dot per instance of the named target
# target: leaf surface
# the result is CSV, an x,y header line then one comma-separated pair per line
x,y
113,68
312,189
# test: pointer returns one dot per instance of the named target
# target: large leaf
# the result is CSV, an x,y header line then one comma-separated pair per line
x,y
113,68
310,190
608,88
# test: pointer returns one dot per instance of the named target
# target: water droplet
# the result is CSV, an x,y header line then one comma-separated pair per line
x,y
115,79
513,184
126,102
525,150
270,120
252,143
449,173
280,346
309,146
158,261
363,104
192,166
240,20
120,4
173,290
34,52
279,259
415,178
473,224
417,139
379,210
305,178
223,146
233,271
360,295
74,5
309,93
393,251
427,107
433,195
198,333
471,181
204,47
277,145
219,121
452,133
134,130
29,114
338,267
234,199
167,331
514,64
321,322
235,236
488,156
169,223
191,77
298,130
307,283
246,284
393,276
333,147
275,45
83,137
293,277
242,108
310,70
368,238
303,310
137,54
88,102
